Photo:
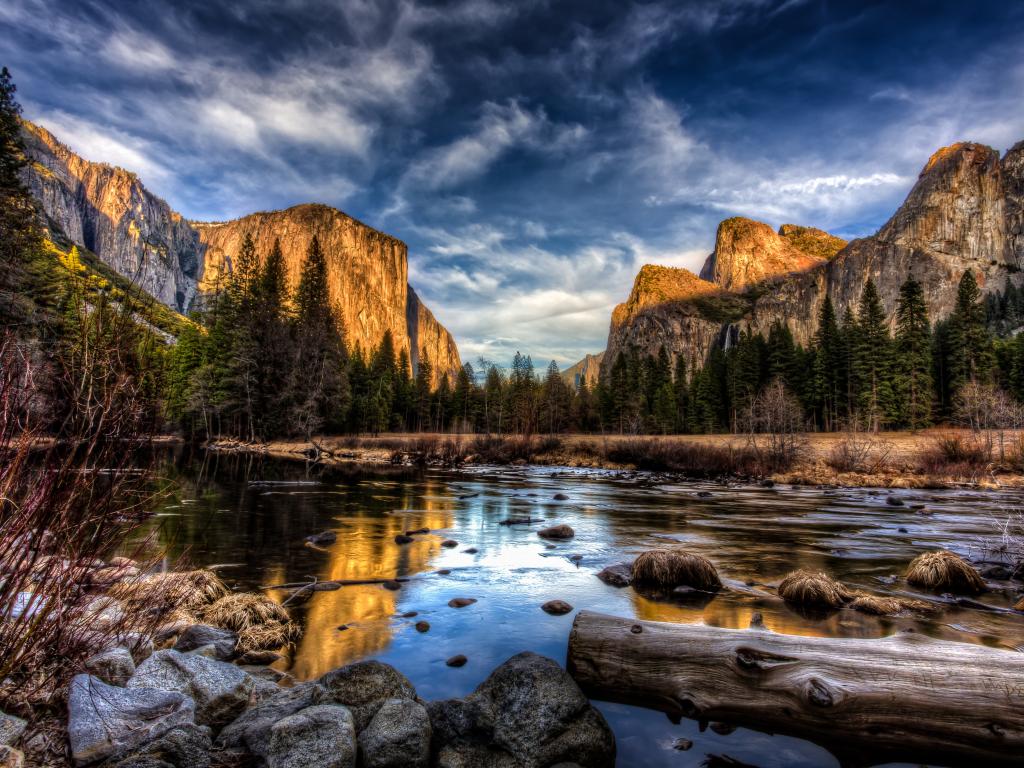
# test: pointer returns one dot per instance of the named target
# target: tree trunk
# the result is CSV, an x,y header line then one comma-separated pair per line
x,y
906,696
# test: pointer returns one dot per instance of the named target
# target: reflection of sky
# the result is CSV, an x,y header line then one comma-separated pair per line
x,y
752,534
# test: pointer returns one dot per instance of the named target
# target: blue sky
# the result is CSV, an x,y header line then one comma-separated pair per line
x,y
533,154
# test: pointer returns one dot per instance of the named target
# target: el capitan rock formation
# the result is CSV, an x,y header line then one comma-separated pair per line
x,y
586,371
966,211
108,211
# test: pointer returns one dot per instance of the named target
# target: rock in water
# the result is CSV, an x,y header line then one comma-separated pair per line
x,y
115,666
529,712
556,607
364,686
199,635
251,730
316,737
397,737
105,721
618,575
457,661
461,602
557,532
220,691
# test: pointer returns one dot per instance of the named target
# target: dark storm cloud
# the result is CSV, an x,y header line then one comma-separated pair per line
x,y
532,154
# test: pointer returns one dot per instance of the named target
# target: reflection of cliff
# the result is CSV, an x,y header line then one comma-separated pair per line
x,y
364,550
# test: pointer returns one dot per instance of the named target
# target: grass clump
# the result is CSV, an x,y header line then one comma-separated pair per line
x,y
188,591
947,571
261,624
669,568
810,589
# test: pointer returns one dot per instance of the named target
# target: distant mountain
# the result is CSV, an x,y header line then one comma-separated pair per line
x,y
585,371
966,211
108,211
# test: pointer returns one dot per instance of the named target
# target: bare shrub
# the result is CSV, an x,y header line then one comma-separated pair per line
x,y
957,455
859,451
507,449
988,412
775,427
687,457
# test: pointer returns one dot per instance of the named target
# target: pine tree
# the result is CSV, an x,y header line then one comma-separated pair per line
x,y
912,369
827,366
20,237
424,376
319,386
872,360
970,354
682,394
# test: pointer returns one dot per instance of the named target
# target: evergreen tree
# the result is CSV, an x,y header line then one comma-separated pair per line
x,y
912,369
424,376
555,401
827,367
319,395
682,394
872,360
969,353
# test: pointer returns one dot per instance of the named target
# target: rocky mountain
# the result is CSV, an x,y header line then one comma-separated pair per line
x,y
586,371
110,212
966,211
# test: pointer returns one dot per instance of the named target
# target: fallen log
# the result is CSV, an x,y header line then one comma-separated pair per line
x,y
906,696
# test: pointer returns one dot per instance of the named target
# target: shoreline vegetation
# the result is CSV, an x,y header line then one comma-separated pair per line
x,y
932,458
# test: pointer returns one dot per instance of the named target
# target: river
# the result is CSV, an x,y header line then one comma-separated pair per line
x,y
253,515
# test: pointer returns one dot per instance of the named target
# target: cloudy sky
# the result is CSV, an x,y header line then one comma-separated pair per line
x,y
532,153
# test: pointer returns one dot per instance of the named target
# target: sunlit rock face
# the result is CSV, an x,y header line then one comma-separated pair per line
x,y
966,211
368,273
586,371
110,212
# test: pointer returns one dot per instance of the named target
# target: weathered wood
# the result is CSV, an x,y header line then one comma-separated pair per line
x,y
906,696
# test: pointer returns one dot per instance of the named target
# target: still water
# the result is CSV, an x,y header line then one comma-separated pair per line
x,y
252,515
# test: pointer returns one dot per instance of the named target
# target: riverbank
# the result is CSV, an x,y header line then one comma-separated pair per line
x,y
934,458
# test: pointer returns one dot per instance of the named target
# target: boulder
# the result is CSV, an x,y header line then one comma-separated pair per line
x,y
322,736
11,729
534,712
106,721
460,721
115,666
11,757
251,729
185,747
397,736
474,755
618,575
198,635
560,532
220,691
364,686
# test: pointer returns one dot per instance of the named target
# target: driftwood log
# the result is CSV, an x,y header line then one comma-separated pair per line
x,y
906,696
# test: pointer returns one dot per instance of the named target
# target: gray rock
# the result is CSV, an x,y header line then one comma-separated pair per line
x,y
185,747
316,737
199,635
398,736
220,691
115,666
529,713
251,730
11,728
107,721
363,687
618,575
11,757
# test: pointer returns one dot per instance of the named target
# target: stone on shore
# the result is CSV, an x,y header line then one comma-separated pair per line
x,y
251,730
185,747
114,666
321,736
529,712
199,635
11,729
106,721
220,691
398,736
363,687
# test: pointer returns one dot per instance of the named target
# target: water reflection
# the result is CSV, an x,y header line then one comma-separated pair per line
x,y
254,516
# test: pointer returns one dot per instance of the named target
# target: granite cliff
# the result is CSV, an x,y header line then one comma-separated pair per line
x,y
110,212
586,371
966,211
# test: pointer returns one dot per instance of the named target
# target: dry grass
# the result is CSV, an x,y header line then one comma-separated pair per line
x,y
189,591
945,571
243,611
670,568
808,589
267,637
888,606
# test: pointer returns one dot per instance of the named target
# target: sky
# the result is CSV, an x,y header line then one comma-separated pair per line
x,y
532,154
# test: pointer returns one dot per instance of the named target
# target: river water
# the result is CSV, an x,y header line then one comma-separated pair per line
x,y
253,515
